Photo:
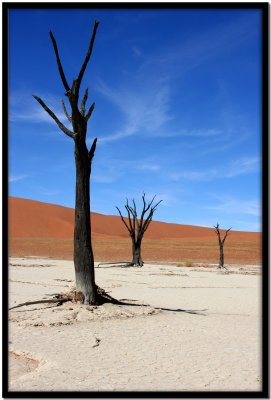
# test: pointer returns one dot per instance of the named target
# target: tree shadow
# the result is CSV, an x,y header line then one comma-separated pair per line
x,y
178,310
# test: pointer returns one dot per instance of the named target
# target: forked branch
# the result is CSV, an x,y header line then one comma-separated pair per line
x,y
217,230
123,220
137,227
50,112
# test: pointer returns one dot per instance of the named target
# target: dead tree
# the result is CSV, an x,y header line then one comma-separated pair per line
x,y
221,244
79,116
137,226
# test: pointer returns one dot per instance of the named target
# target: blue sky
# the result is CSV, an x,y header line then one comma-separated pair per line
x,y
178,111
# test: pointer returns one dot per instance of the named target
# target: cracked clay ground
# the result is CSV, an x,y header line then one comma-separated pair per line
x,y
186,329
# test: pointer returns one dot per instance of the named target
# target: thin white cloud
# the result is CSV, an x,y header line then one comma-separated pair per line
x,y
143,109
239,167
189,133
16,178
244,166
194,175
149,167
24,108
235,206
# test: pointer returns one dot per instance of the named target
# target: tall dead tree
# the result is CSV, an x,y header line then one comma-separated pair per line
x,y
137,226
83,254
221,244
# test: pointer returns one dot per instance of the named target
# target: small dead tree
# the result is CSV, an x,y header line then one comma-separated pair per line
x,y
137,226
79,116
221,244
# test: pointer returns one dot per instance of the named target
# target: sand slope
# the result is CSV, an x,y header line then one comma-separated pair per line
x,y
30,218
42,229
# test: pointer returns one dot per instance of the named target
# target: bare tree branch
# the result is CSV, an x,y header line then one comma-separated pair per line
x,y
226,234
138,227
123,220
50,112
89,51
146,224
221,244
92,150
83,103
90,112
135,218
129,216
61,72
65,111
73,85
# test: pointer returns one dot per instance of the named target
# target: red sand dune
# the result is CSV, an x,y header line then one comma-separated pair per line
x,y
36,222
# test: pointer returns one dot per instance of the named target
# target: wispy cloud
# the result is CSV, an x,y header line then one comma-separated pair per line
x,y
243,166
193,175
24,108
145,109
235,206
16,178
236,168
149,167
189,133
111,169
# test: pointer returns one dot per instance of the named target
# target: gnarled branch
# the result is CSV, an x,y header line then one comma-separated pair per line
x,y
83,103
92,150
137,227
61,72
50,112
90,111
226,234
123,220
66,112
89,51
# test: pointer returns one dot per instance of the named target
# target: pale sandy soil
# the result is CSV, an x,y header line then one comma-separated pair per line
x,y
188,329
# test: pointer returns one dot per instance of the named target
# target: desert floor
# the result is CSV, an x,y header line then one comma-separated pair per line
x,y
187,329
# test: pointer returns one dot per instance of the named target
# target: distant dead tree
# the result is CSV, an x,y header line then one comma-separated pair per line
x,y
137,226
83,255
221,244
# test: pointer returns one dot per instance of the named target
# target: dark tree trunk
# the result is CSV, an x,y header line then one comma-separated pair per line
x,y
221,262
221,245
136,253
86,290
138,226
83,254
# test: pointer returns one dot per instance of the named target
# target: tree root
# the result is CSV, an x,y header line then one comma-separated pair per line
x,y
104,297
101,298
59,299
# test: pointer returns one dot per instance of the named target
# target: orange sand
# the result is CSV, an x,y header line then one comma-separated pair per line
x,y
41,229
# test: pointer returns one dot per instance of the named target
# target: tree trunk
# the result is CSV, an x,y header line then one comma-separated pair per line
x,y
136,251
221,264
83,255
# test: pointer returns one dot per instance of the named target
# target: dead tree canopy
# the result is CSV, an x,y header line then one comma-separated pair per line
x,y
221,242
137,224
78,117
